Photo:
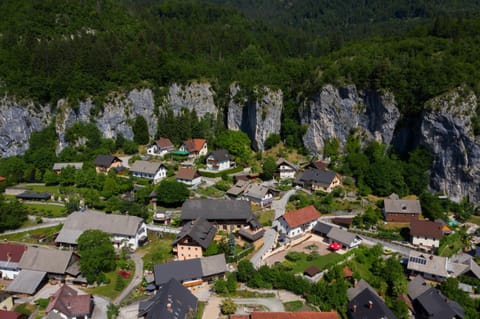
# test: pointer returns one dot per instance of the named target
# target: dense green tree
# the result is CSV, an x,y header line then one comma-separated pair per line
x,y
13,214
97,254
228,306
271,141
237,143
269,166
140,130
172,193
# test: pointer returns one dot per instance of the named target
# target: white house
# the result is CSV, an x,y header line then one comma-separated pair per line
x,y
258,194
218,161
150,170
426,233
195,147
188,175
285,169
161,147
125,230
298,222
10,255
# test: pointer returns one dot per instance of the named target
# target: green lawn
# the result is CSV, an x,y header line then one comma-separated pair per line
x,y
158,250
321,262
474,219
200,309
34,235
46,210
54,190
109,290
293,306
210,192
450,245
265,218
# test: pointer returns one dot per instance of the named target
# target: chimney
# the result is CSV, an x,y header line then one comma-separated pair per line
x,y
68,305
154,203
169,307
370,304
354,308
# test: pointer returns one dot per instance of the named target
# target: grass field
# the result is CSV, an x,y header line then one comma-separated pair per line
x,y
265,218
46,210
210,192
158,250
321,262
32,236
54,190
108,290
475,219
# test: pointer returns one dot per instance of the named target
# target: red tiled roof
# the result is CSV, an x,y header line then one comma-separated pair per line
x,y
186,173
2,179
67,301
11,252
320,165
347,272
164,142
4,314
301,216
426,228
294,315
239,317
194,145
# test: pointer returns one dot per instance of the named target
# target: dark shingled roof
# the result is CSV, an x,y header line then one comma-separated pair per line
x,y
34,195
322,228
105,160
426,228
211,209
219,155
311,271
172,301
358,307
438,306
199,230
317,176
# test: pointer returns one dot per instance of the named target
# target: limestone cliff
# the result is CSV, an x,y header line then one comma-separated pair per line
x,y
333,113
17,122
446,130
194,96
258,116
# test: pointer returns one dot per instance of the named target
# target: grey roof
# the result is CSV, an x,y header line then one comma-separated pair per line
x,y
355,291
213,265
190,269
78,222
48,260
426,263
238,188
199,230
362,300
172,301
256,191
322,228
216,209
219,155
438,306
417,287
341,236
27,281
317,176
407,206
281,161
34,195
251,236
105,160
147,167
60,166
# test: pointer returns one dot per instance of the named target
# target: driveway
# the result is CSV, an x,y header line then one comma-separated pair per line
x,y
137,259
306,247
272,304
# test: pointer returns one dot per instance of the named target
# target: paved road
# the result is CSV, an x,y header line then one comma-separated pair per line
x,y
212,309
270,236
163,229
137,279
39,226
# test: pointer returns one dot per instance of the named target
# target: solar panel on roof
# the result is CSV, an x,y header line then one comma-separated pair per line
x,y
418,260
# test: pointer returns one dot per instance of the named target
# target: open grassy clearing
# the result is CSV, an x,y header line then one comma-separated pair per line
x,y
158,250
108,290
33,236
265,218
303,261
45,210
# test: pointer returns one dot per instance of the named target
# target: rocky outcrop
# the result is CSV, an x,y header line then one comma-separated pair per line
x,y
17,122
194,96
334,113
67,116
257,116
446,130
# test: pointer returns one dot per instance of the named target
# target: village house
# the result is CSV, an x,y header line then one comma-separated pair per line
x,y
426,233
228,215
258,195
429,302
238,189
31,196
7,314
125,230
188,176
66,303
318,180
161,147
154,171
401,210
218,161
194,237
439,268
333,234
57,167
172,301
10,255
319,164
195,147
364,302
6,301
298,222
104,163
285,169
191,272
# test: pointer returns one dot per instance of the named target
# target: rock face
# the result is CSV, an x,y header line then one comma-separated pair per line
x,y
334,113
17,123
258,117
195,96
447,132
